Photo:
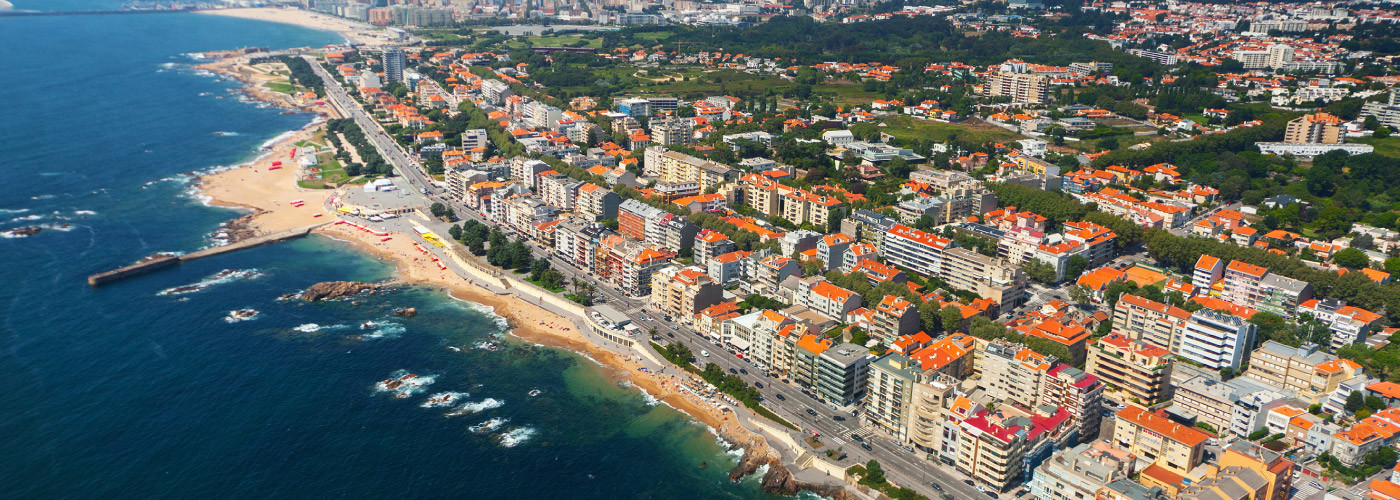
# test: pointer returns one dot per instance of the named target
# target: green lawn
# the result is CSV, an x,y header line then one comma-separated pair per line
x,y
1389,146
332,174
909,128
283,87
565,41
846,93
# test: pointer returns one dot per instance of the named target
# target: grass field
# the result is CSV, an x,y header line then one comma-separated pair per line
x,y
909,128
848,93
1389,146
283,87
332,174
565,41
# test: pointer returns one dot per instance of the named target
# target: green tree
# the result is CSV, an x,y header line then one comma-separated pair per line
x,y
951,318
930,316
1075,266
1355,401
1351,258
437,209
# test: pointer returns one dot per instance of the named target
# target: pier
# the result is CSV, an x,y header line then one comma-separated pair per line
x,y
37,13
155,263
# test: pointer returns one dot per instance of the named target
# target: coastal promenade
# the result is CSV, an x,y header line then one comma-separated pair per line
x,y
157,262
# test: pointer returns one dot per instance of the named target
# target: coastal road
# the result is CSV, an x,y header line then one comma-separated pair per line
x,y
909,469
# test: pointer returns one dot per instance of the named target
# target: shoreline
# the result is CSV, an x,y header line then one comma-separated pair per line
x,y
351,31
264,196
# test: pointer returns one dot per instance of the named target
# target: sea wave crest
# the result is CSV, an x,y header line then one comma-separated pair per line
x,y
219,278
477,407
516,436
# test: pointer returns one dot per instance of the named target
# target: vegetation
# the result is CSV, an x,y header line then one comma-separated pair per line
x,y
873,475
984,328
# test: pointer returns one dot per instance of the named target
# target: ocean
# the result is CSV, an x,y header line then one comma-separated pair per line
x,y
145,389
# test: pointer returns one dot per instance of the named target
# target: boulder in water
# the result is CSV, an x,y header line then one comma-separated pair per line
x,y
408,312
335,289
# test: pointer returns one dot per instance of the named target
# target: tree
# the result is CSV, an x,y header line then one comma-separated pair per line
x,y
1351,258
951,318
437,209
930,316
1381,133
450,214
1227,373
1079,294
1355,401
1039,271
1075,266
1392,265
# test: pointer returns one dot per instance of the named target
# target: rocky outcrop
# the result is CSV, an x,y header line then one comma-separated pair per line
x,y
407,312
778,480
335,289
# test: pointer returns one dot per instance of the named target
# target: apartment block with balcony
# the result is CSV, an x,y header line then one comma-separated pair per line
x,y
1243,283
1079,393
1079,473
1000,448
1214,340
682,292
1012,372
892,318
1308,372
1135,369
1158,439
1147,320
889,394
828,300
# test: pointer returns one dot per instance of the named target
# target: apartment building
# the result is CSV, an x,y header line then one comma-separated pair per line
x,y
927,414
1138,370
1310,373
682,292
1349,324
730,267
1282,295
1243,283
837,373
746,332
1208,270
1098,241
560,191
1272,466
1238,406
1020,87
889,394
598,202
632,217
576,241
672,166
1147,320
1317,128
915,250
988,277
829,300
710,244
893,318
1013,373
1213,339
831,250
1158,439
1079,393
1079,472
1000,448
772,270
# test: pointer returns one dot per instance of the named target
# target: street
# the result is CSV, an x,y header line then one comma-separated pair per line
x,y
908,469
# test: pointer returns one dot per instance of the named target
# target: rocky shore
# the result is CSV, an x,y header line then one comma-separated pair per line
x,y
778,480
330,290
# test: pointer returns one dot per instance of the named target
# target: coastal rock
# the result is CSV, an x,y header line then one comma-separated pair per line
x,y
408,312
778,480
26,231
335,289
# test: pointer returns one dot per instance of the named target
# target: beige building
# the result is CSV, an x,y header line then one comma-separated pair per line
x,y
1020,87
1133,368
1147,320
1167,444
1305,370
1014,373
1318,128
682,292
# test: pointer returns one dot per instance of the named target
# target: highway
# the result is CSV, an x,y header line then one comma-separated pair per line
x,y
901,466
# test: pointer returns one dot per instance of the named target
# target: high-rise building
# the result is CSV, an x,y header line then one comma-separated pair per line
x,y
1214,340
1165,443
1317,128
1018,85
394,64
1138,369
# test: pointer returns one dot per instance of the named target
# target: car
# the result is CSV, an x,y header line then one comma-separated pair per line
x,y
731,370
743,371
669,334
857,437
936,486
993,495
811,412
981,488
909,449
969,482
758,385
838,418
704,353
866,446
780,397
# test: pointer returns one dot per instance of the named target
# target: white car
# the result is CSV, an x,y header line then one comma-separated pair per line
x,y
704,353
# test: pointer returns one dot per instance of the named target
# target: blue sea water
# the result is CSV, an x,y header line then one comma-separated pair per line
x,y
121,391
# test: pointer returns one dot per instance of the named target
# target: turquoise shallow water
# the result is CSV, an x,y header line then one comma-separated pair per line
x,y
125,392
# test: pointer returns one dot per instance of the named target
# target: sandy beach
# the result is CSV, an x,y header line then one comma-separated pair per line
x,y
267,194
353,31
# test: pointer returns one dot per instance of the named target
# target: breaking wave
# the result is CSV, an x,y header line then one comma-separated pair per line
x,y
219,278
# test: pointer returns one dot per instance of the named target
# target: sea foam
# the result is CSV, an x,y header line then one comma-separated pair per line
x,y
516,436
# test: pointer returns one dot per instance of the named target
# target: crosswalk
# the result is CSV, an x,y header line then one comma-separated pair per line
x,y
1305,490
